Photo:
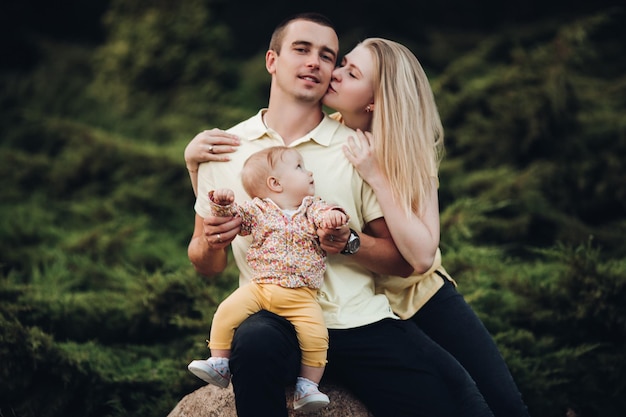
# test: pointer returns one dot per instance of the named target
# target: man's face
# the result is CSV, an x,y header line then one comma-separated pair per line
x,y
306,61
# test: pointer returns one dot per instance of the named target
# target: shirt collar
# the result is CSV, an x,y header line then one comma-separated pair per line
x,y
322,133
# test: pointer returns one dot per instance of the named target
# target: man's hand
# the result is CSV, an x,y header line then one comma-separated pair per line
x,y
220,231
207,248
333,239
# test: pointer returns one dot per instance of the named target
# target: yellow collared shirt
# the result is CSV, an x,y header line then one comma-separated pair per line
x,y
347,296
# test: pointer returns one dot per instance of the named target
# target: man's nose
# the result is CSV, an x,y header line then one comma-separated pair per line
x,y
314,61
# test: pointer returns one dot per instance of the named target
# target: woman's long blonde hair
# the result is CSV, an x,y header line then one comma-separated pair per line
x,y
406,123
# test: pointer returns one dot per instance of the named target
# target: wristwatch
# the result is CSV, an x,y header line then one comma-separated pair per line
x,y
353,244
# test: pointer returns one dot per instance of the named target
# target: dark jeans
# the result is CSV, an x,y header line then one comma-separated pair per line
x,y
391,366
451,322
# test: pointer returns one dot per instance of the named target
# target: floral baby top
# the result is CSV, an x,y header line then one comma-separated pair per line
x,y
285,249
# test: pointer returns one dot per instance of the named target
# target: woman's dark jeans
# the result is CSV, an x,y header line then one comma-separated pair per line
x,y
451,323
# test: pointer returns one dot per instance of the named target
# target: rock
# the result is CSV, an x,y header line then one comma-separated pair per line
x,y
212,401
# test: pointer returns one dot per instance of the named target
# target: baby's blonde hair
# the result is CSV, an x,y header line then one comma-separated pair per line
x,y
406,122
259,166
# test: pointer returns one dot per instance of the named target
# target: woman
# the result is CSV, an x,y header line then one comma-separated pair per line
x,y
381,88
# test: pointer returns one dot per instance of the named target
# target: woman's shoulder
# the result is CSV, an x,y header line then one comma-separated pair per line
x,y
336,116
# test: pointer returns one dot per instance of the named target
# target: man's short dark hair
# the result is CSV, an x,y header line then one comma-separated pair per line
x,y
277,37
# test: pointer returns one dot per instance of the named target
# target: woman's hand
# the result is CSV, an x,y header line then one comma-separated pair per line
x,y
360,152
210,145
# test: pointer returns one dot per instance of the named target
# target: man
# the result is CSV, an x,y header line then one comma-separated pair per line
x,y
389,364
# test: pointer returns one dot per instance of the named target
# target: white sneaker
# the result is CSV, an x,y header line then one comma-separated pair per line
x,y
215,371
307,396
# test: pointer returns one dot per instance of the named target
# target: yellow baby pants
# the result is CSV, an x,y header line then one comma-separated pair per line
x,y
298,305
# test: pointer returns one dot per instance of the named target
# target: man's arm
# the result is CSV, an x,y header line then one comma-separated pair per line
x,y
211,237
377,252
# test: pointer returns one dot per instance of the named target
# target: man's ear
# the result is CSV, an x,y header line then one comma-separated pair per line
x,y
273,184
270,59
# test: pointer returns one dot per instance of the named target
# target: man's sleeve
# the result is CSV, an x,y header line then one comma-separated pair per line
x,y
371,209
205,184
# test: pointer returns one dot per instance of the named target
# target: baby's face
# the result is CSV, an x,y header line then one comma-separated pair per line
x,y
294,177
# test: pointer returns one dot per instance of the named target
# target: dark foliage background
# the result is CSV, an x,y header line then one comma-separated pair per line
x,y
100,310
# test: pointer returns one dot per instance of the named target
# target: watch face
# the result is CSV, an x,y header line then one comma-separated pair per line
x,y
353,245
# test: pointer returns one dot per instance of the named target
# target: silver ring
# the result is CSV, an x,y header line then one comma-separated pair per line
x,y
332,238
219,238
211,149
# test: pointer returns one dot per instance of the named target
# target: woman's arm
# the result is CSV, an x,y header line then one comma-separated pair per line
x,y
416,236
208,146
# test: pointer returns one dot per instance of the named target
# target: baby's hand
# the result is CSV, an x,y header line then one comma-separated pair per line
x,y
334,219
223,196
